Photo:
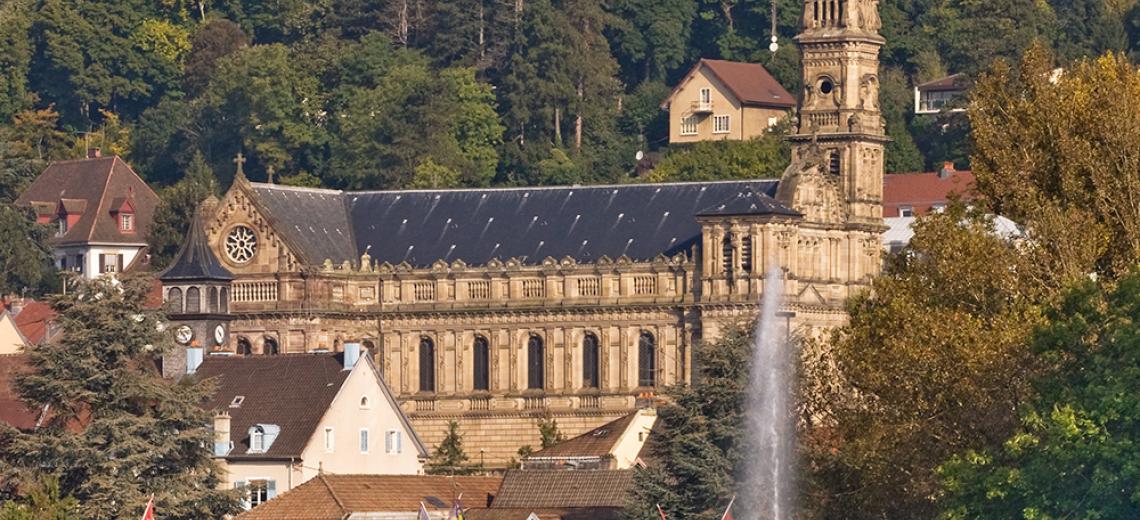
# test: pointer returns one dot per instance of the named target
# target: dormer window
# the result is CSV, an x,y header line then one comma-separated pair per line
x,y
127,222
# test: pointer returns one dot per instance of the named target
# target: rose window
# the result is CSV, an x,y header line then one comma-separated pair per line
x,y
241,244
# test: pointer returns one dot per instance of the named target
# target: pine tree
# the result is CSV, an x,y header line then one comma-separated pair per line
x,y
177,207
449,457
43,501
548,431
117,431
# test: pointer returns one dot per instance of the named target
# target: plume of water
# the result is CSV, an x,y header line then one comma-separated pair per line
x,y
769,430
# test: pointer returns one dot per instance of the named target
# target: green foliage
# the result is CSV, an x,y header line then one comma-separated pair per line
x,y
1075,454
25,259
178,205
548,431
762,157
449,457
141,434
44,501
15,57
698,446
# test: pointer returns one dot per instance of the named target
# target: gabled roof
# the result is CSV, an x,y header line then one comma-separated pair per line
x,y
949,83
555,488
334,497
748,202
640,221
33,321
196,261
750,83
598,442
291,391
89,187
922,190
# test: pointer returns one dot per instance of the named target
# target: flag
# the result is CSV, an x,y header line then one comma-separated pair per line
x,y
148,514
662,511
423,512
456,509
728,510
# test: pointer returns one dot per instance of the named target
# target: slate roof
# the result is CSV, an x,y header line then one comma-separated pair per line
x,y
748,202
334,497
598,442
196,261
89,186
586,223
313,380
558,489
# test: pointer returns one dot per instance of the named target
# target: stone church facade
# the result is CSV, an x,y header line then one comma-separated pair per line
x,y
496,307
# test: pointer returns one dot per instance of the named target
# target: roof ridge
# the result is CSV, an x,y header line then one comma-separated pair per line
x,y
332,492
567,187
102,197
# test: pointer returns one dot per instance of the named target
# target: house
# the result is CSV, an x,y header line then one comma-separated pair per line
x,y
719,100
101,210
12,341
938,95
614,445
282,420
553,494
391,497
917,194
36,322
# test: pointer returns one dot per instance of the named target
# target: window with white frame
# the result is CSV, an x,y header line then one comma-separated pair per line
x,y
706,96
721,124
392,442
257,440
126,222
329,443
906,211
260,491
364,440
689,125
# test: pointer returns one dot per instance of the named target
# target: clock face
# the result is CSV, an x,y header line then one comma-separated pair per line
x,y
183,335
219,335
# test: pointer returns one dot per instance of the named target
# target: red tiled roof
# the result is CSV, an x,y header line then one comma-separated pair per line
x,y
334,497
923,190
90,186
598,442
750,83
13,410
559,489
33,320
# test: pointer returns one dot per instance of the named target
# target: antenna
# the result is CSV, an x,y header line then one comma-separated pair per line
x,y
773,47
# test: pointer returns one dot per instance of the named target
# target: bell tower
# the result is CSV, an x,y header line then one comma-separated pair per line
x,y
840,133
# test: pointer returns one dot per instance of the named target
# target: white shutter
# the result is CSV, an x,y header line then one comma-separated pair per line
x,y
399,442
389,442
270,489
240,485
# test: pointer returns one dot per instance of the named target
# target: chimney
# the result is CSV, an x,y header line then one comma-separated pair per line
x,y
946,171
351,355
193,359
222,442
94,153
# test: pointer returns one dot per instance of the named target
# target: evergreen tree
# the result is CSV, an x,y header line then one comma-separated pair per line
x,y
43,501
548,431
118,432
176,208
449,457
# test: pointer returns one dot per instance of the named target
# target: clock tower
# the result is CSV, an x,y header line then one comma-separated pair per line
x,y
196,295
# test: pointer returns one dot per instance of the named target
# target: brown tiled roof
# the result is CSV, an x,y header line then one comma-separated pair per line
x,y
14,411
598,442
921,191
578,513
559,489
955,82
291,391
90,186
33,320
748,82
333,497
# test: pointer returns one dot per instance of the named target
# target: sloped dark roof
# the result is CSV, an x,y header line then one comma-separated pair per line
x,y
585,223
196,261
334,497
598,442
291,391
556,488
90,186
751,83
949,83
748,202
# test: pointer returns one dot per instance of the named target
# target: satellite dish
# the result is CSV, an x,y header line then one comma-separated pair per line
x,y
640,155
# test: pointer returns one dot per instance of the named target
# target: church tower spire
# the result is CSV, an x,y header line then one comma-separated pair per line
x,y
840,133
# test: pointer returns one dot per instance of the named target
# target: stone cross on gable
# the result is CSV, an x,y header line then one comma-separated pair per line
x,y
240,161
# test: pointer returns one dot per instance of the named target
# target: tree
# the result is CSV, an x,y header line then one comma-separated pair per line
x,y
698,447
44,501
654,38
449,457
1075,454
118,431
548,431
24,256
761,157
213,41
15,57
176,208
932,362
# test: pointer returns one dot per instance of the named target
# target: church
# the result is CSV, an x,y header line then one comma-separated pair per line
x,y
494,307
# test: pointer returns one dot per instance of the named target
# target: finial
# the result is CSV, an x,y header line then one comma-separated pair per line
x,y
239,160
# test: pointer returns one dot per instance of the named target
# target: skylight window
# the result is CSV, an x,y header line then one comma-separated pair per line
x,y
238,400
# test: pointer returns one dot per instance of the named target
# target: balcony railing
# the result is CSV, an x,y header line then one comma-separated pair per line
x,y
249,292
702,107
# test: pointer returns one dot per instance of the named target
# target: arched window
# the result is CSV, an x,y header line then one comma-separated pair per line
x,y
270,348
746,254
590,361
244,347
535,353
212,300
646,360
224,300
174,300
193,300
726,254
427,365
482,364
